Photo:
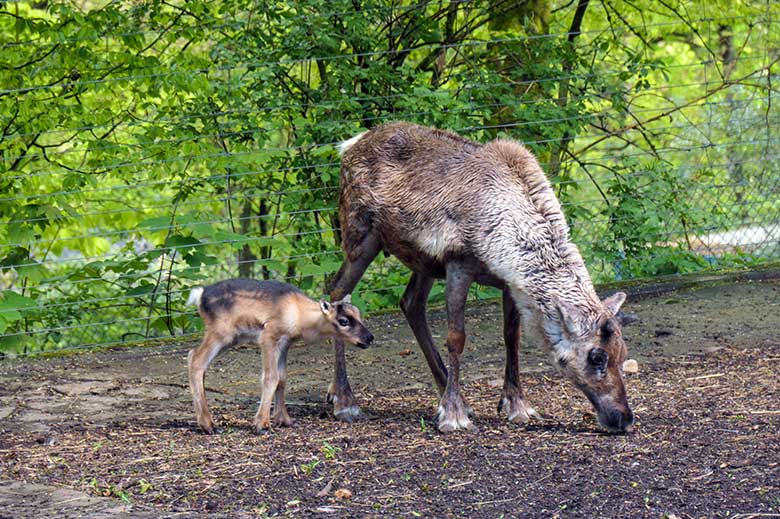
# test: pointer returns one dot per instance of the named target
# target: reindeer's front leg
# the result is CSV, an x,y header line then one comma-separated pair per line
x,y
271,349
360,252
198,362
345,406
512,402
413,305
453,413
280,416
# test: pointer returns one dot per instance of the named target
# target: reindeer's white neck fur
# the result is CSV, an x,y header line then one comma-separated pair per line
x,y
529,246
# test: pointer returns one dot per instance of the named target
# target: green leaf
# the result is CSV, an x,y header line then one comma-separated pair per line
x,y
179,242
158,223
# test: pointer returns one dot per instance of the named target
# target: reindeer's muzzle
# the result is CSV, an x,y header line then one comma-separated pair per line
x,y
365,340
615,417
616,421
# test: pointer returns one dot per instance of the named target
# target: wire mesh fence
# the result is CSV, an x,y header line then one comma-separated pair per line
x,y
151,147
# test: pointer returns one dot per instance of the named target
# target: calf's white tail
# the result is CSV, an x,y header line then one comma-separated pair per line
x,y
195,295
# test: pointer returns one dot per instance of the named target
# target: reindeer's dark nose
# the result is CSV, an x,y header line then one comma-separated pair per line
x,y
616,421
365,340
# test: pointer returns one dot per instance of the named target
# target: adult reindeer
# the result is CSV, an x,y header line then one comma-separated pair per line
x,y
450,208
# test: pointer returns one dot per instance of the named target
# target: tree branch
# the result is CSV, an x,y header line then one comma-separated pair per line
x,y
667,113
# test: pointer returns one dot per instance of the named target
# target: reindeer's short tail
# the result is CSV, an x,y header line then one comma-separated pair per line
x,y
344,146
195,295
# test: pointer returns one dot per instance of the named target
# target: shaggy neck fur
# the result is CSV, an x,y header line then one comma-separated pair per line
x,y
535,256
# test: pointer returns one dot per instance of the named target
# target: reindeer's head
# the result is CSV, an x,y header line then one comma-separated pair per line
x,y
346,322
590,352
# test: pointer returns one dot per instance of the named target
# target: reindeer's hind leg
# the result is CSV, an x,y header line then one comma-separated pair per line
x,y
198,362
357,260
512,402
413,305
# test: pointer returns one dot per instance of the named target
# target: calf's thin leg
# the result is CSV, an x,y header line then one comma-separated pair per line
x,y
512,402
280,416
345,406
271,348
198,362
453,413
413,304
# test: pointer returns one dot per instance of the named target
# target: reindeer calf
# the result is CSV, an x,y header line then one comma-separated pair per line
x,y
271,315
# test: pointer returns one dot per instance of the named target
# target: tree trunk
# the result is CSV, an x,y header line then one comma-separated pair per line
x,y
557,155
734,164
246,259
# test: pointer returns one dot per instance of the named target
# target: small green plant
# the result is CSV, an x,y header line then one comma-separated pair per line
x,y
108,490
144,486
329,451
423,427
308,468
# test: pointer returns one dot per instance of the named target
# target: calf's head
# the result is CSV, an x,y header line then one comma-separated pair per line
x,y
347,325
589,351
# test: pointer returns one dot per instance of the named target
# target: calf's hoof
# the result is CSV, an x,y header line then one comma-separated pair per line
x,y
283,421
208,427
262,426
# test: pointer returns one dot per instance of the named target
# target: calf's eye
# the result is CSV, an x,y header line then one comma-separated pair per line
x,y
343,321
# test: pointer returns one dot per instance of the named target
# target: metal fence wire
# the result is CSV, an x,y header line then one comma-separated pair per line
x,y
151,147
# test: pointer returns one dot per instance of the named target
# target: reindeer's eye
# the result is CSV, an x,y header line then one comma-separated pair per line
x,y
343,321
598,358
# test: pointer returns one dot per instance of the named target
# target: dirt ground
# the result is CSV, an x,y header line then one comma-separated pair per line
x,y
112,434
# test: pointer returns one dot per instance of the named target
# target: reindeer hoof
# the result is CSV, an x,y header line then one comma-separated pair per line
x,y
283,421
448,426
517,410
209,428
456,421
348,414
262,426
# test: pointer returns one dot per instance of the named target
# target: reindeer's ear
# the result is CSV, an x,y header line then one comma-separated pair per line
x,y
325,307
568,316
347,299
626,318
613,302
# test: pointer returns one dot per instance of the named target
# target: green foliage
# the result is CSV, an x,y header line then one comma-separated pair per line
x,y
149,147
308,468
329,451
